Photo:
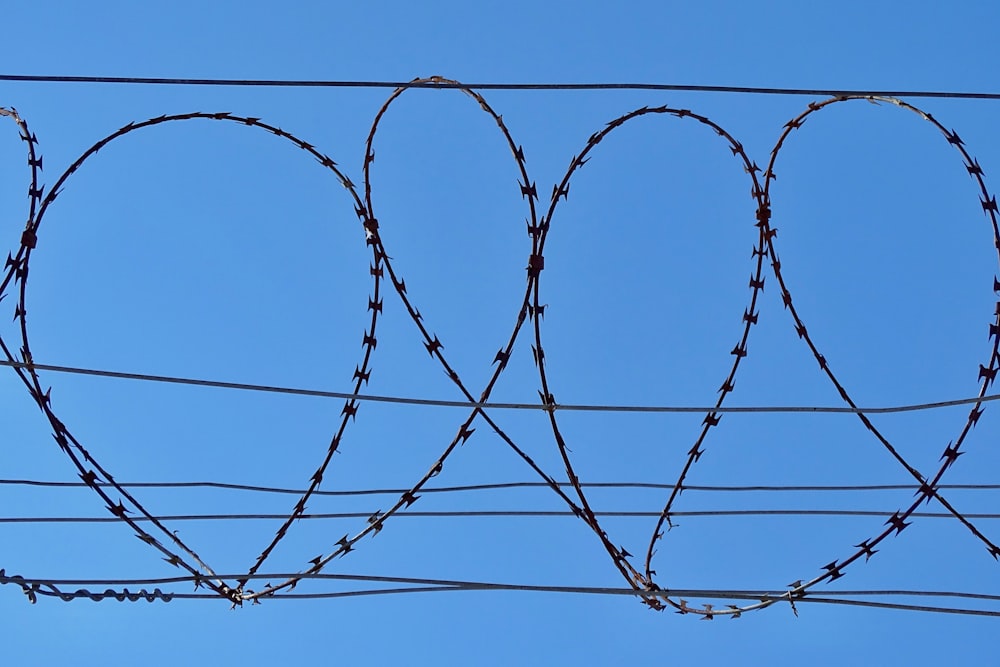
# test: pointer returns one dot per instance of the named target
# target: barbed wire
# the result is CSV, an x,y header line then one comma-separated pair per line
x,y
642,578
454,85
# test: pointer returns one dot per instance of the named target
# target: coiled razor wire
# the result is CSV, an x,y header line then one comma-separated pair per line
x,y
637,571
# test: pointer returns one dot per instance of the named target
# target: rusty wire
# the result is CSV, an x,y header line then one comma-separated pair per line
x,y
641,578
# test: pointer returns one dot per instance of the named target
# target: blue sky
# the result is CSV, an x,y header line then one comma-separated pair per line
x,y
210,249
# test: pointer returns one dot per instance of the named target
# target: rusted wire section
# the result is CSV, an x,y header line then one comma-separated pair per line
x,y
123,505
35,588
928,488
639,580
383,264
173,548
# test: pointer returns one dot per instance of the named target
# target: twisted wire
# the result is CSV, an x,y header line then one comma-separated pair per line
x,y
33,588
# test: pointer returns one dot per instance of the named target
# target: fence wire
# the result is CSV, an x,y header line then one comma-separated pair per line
x,y
123,504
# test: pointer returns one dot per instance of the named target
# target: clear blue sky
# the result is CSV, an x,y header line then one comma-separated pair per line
x,y
213,250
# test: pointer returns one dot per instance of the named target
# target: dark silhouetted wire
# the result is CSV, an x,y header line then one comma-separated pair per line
x,y
317,83
170,379
491,513
37,586
385,277
502,485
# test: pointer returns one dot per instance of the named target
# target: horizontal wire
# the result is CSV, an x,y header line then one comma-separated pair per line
x,y
902,607
500,485
423,585
170,379
374,578
444,589
319,83
495,486
491,513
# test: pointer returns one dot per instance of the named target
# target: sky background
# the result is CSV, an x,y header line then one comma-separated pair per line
x,y
212,250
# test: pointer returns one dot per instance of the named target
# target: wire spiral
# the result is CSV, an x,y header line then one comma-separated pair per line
x,y
637,571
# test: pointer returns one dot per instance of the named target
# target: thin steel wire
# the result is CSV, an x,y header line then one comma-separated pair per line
x,y
33,588
825,488
453,514
449,85
567,407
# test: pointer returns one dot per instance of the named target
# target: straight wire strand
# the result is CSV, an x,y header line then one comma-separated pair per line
x,y
490,513
548,407
497,485
313,83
